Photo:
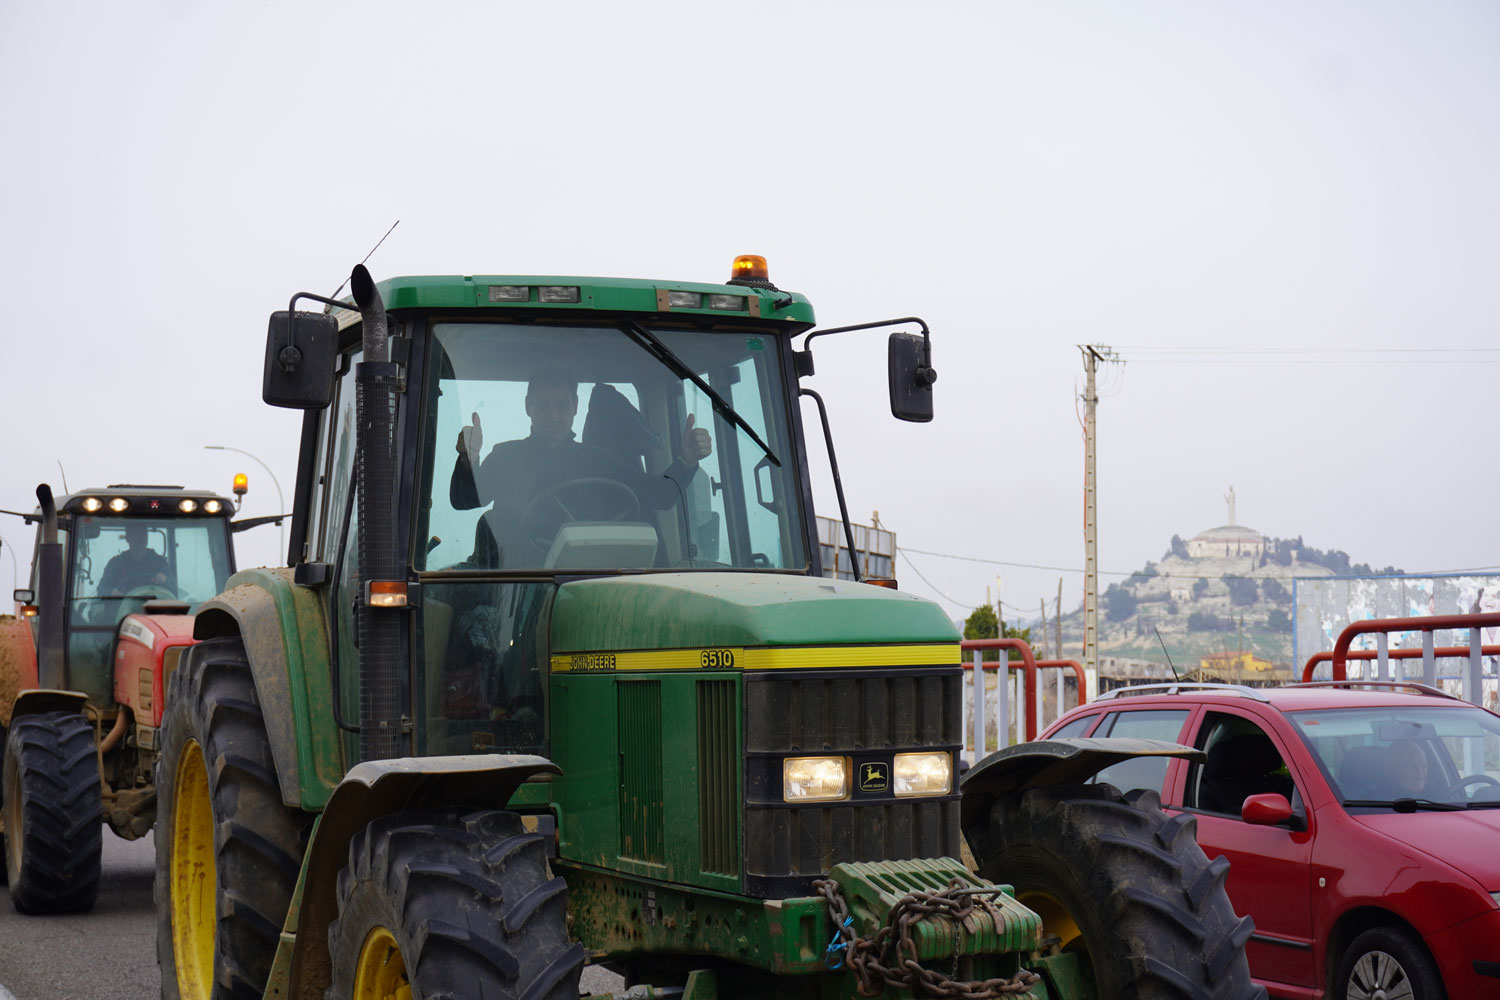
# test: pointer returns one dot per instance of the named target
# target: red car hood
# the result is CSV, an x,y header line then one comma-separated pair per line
x,y
1466,840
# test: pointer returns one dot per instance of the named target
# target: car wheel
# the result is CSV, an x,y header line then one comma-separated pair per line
x,y
1388,963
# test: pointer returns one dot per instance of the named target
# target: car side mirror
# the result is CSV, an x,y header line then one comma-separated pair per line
x,y
1266,809
911,376
301,350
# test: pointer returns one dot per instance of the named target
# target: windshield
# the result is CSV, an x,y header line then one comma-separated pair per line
x,y
1445,753
118,562
580,447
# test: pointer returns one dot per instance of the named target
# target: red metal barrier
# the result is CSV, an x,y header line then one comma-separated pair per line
x,y
1029,664
1431,623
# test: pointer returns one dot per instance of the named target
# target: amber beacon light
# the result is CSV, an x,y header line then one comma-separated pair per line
x,y
749,267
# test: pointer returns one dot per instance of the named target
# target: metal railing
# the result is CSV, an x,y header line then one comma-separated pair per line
x,y
1029,667
1430,653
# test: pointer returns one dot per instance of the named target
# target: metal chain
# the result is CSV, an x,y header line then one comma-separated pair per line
x,y
890,957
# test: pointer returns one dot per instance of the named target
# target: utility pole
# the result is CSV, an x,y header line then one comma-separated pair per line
x,y
1093,354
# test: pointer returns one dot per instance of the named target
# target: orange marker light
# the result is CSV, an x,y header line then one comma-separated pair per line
x,y
241,484
387,593
749,267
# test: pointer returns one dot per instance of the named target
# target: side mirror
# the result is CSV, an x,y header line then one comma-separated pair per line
x,y
911,378
1266,809
24,596
301,349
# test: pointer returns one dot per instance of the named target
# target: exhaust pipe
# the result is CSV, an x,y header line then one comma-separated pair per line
x,y
51,614
377,384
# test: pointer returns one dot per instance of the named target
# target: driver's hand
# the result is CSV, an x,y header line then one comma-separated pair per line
x,y
697,443
470,439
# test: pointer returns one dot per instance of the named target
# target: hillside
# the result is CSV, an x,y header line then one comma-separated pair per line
x,y
1223,597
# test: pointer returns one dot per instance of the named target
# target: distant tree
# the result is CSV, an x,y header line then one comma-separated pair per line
x,y
1279,621
982,624
1242,590
1179,547
1361,569
1119,603
1200,587
1274,592
1204,621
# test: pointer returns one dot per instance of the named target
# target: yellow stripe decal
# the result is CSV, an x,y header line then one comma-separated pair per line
x,y
766,658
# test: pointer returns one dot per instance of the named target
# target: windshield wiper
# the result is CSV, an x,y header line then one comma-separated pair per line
x,y
653,345
1407,805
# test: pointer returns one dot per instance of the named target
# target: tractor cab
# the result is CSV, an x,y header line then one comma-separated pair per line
x,y
127,549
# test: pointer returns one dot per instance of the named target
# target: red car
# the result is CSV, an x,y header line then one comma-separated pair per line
x,y
1361,821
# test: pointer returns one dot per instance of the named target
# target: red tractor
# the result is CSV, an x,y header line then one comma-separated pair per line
x,y
116,576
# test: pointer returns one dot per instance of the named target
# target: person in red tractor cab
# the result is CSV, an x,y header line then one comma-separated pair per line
x,y
138,566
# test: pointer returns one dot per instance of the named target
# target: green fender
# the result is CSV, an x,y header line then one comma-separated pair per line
x,y
372,789
285,631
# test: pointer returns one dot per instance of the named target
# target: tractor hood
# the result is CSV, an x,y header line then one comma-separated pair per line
x,y
691,610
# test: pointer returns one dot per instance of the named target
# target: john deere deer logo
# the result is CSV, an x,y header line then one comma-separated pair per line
x,y
874,777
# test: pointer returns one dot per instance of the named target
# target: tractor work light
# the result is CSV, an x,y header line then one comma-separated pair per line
x,y
510,293
814,779
119,505
91,504
212,506
921,774
187,506
749,267
685,300
386,593
557,293
729,303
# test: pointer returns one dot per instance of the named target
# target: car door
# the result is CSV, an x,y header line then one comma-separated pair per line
x,y
1270,865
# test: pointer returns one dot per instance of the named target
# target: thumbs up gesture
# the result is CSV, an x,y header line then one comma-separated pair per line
x,y
471,439
697,443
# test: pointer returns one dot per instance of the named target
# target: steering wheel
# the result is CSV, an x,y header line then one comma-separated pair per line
x,y
611,499
1457,789
151,591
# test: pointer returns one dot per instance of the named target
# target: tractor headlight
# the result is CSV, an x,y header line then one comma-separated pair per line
x,y
921,774
212,506
92,504
814,779
187,506
119,505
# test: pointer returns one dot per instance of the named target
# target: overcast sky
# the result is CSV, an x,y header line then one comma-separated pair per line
x,y
1283,216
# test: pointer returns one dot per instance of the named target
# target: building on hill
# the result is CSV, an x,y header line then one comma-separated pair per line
x,y
1227,541
1225,664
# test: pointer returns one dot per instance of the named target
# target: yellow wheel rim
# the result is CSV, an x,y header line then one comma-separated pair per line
x,y
194,880
381,972
1056,919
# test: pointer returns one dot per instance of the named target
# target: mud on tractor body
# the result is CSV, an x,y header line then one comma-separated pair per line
x,y
116,574
553,680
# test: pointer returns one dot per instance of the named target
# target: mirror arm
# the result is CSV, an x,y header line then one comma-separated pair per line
x,y
289,357
925,374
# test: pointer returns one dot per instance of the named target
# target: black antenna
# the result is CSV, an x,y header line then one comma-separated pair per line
x,y
367,257
1175,675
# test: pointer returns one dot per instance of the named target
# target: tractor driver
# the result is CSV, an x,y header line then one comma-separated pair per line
x,y
137,566
515,473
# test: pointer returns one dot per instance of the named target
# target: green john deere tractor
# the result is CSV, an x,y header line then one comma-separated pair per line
x,y
555,680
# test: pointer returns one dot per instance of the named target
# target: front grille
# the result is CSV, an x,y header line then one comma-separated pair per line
x,y
718,778
641,829
866,715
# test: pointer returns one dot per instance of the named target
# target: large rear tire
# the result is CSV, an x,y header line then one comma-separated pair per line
x,y
1123,886
227,849
54,818
451,905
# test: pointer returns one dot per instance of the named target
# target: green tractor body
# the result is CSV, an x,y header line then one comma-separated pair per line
x,y
557,680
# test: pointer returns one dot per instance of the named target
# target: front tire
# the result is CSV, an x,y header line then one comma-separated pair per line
x,y
1387,961
1123,886
53,813
228,850
451,905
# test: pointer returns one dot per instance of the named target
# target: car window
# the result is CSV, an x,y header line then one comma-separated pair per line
x,y
1076,727
1153,724
1242,760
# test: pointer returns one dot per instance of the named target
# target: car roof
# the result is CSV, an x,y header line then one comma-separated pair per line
x,y
1290,698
